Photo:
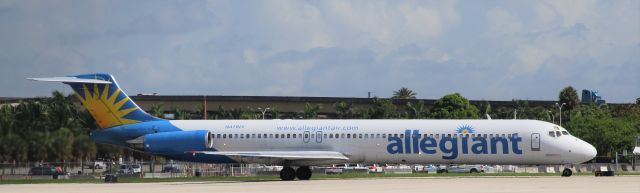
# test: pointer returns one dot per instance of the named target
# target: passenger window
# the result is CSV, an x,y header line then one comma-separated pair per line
x,y
384,135
360,135
259,136
264,136
552,134
277,136
401,135
294,135
288,136
324,136
270,135
224,136
366,136
337,136
331,136
218,136
241,136
378,135
437,136
348,135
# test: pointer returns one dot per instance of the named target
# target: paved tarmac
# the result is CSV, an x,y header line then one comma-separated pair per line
x,y
577,184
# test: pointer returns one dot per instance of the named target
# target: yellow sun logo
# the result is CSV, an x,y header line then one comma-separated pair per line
x,y
465,129
104,107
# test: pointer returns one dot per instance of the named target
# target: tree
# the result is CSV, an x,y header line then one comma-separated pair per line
x,y
157,110
569,96
84,148
310,111
383,109
344,110
454,106
608,135
416,110
484,108
61,145
404,93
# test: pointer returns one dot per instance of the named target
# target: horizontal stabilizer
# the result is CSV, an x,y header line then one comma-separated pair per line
x,y
71,80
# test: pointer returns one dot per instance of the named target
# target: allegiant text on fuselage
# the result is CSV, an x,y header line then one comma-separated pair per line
x,y
449,145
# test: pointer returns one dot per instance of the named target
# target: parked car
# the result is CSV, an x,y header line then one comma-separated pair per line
x,y
45,171
171,168
441,169
130,169
465,168
97,164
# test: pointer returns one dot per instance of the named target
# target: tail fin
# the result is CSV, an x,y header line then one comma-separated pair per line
x,y
104,99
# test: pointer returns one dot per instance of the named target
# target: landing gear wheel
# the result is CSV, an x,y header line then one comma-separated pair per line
x,y
567,172
303,173
473,170
287,174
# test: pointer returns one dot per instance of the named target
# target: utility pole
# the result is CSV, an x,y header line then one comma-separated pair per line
x,y
263,111
560,108
204,110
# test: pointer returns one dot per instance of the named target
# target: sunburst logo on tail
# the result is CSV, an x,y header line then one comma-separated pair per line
x,y
464,129
107,107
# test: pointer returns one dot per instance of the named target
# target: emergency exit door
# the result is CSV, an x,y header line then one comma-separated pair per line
x,y
535,142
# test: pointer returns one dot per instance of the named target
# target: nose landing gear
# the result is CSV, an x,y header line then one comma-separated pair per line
x,y
567,172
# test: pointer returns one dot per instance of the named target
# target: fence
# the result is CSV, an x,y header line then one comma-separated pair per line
x,y
186,169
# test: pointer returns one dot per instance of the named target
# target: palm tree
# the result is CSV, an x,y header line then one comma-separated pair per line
x,y
404,93
157,110
416,110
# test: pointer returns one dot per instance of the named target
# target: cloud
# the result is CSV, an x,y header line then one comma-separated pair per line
x,y
485,50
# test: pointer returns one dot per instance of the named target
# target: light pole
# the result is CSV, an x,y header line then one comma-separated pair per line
x,y
560,108
552,117
263,111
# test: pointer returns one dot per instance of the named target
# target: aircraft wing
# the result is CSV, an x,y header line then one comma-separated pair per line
x,y
284,155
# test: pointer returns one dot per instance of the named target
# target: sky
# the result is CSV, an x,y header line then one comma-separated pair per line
x,y
485,50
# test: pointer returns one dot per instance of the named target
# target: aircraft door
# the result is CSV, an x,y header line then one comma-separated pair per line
x,y
306,136
318,136
535,142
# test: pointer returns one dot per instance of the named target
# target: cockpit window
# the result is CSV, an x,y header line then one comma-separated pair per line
x,y
565,133
558,133
552,133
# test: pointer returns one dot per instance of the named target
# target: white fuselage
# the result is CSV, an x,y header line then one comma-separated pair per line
x,y
402,141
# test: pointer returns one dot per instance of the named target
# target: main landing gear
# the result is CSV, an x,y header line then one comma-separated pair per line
x,y
303,173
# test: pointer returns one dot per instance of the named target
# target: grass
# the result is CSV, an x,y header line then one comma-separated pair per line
x,y
91,179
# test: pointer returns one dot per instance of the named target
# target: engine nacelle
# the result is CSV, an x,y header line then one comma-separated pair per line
x,y
177,142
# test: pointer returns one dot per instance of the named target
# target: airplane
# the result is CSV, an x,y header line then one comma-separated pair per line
x,y
299,144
